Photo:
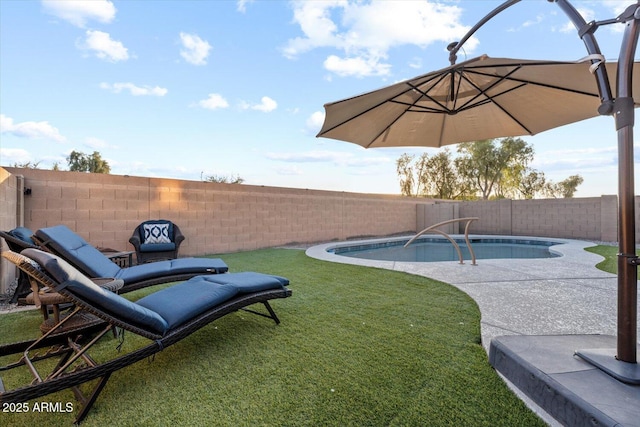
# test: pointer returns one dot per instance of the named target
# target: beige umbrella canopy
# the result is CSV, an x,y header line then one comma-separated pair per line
x,y
477,99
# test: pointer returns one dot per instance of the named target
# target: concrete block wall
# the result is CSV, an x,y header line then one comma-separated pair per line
x,y
431,214
494,216
215,218
594,218
567,218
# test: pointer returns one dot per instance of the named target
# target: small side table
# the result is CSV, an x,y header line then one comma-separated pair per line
x,y
123,259
47,297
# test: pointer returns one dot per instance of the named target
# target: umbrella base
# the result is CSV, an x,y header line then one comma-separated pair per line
x,y
561,387
605,359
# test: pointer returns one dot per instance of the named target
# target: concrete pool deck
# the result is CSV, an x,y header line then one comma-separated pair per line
x,y
550,308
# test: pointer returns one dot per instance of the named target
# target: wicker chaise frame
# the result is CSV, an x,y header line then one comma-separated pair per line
x,y
72,346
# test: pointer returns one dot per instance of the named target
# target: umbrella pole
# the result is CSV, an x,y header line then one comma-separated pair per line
x,y
627,259
624,365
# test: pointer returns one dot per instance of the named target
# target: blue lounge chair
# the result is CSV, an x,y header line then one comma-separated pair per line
x,y
61,241
164,317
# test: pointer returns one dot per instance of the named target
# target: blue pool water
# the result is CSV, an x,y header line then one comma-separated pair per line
x,y
431,249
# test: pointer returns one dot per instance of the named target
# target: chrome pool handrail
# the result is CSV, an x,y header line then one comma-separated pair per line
x,y
455,245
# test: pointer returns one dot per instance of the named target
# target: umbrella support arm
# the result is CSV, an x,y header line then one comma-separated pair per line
x,y
586,32
454,47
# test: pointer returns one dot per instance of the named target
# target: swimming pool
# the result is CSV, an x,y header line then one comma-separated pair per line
x,y
434,249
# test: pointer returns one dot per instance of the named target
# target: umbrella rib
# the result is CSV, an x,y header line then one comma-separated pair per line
x,y
481,91
546,85
425,93
352,117
409,106
411,87
492,99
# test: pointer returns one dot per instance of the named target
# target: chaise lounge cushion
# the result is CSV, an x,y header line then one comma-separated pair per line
x,y
183,302
248,282
180,303
93,263
85,257
109,302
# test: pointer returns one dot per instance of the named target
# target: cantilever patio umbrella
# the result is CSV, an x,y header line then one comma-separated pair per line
x,y
489,98
477,99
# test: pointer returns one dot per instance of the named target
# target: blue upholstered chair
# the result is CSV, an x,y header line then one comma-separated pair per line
x,y
156,240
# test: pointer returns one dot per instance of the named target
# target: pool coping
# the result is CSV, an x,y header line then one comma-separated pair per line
x,y
565,248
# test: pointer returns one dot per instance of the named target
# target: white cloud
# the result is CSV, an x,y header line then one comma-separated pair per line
x,y
134,90
79,12
358,66
214,102
365,32
587,14
315,121
98,144
195,50
336,157
532,22
289,170
31,130
266,105
242,5
576,159
104,47
616,6
416,62
11,156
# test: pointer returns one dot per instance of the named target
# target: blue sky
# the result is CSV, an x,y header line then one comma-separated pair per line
x,y
186,89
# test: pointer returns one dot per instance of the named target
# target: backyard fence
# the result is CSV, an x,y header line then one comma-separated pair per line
x,y
219,218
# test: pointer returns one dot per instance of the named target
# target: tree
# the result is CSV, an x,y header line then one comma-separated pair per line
x,y
224,179
81,162
441,179
563,189
482,164
485,168
531,183
27,165
411,174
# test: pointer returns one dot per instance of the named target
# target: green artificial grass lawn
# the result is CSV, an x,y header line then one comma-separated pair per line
x,y
357,346
610,254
